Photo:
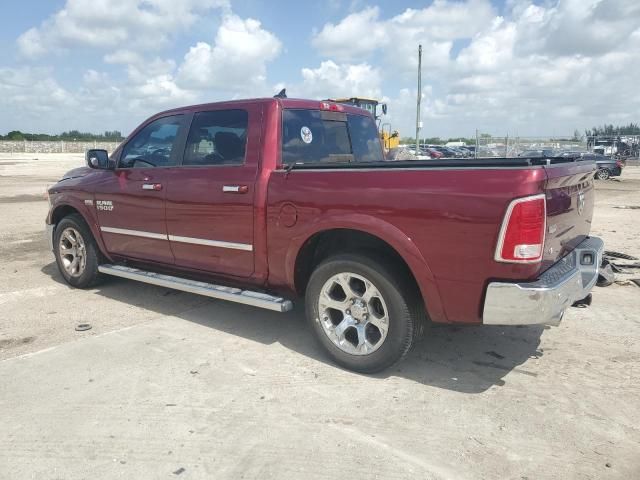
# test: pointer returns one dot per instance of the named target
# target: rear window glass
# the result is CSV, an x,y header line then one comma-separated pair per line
x,y
313,136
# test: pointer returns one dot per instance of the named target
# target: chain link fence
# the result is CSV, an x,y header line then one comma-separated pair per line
x,y
496,146
60,146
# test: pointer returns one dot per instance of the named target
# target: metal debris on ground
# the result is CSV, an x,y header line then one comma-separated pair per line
x,y
610,254
616,263
620,267
605,276
584,302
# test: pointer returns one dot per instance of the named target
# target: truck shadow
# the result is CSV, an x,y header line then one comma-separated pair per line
x,y
468,359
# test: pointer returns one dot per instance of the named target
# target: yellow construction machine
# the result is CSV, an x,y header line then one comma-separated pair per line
x,y
390,139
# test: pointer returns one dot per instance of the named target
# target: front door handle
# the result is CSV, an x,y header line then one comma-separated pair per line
x,y
235,188
152,186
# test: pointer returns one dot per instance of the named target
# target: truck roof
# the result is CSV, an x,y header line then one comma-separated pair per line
x,y
284,102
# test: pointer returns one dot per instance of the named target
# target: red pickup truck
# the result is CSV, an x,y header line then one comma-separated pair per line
x,y
266,200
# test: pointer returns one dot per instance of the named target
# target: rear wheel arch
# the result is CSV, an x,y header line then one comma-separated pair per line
x,y
330,242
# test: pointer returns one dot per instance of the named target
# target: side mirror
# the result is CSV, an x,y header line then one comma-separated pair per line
x,y
97,158
384,108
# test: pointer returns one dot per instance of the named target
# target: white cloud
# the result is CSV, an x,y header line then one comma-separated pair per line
x,y
123,56
29,97
435,27
490,49
542,68
236,60
539,68
357,34
339,80
577,27
108,24
32,88
235,63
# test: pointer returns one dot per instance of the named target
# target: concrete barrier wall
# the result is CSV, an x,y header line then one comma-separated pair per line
x,y
7,146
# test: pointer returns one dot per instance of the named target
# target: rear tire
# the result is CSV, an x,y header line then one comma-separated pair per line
x,y
76,252
603,174
365,313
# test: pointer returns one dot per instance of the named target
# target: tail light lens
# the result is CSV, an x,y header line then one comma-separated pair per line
x,y
521,238
332,107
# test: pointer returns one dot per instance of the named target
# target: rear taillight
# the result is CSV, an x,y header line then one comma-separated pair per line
x,y
521,238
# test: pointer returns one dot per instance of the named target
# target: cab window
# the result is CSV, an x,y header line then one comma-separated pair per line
x,y
154,145
314,136
217,138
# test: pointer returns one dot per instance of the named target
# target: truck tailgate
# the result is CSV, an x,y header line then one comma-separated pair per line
x,y
570,197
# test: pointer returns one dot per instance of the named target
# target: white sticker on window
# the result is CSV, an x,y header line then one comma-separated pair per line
x,y
306,135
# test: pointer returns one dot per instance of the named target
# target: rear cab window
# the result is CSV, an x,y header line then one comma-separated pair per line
x,y
316,136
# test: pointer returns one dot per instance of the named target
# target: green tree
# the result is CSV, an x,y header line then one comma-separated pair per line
x,y
15,135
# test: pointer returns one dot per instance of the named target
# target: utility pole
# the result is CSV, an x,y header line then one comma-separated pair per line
x,y
418,122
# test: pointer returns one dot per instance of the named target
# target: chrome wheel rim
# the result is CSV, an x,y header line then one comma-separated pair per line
x,y
73,253
603,174
353,314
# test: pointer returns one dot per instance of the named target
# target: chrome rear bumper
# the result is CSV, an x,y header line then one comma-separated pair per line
x,y
545,300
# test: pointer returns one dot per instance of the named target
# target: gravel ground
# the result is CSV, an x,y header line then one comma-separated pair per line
x,y
172,385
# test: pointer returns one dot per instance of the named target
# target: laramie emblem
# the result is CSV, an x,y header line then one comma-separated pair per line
x,y
580,202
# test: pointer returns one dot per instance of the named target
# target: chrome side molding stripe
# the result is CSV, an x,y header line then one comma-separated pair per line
x,y
176,238
134,233
212,243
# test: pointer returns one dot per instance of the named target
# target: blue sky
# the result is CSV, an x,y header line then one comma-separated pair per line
x,y
514,66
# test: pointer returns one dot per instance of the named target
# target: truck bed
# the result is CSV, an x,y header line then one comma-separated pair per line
x,y
451,210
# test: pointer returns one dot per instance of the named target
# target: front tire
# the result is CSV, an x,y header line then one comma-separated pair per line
x,y
366,314
603,174
76,252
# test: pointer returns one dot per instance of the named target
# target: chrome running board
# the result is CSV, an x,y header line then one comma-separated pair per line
x,y
256,299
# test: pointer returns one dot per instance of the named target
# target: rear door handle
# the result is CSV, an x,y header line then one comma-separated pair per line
x,y
235,188
152,186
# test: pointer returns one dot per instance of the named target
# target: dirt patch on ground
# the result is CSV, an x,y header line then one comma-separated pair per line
x,y
23,198
7,343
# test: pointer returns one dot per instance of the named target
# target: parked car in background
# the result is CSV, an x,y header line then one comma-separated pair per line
x,y
446,151
542,153
607,167
432,152
470,151
408,152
